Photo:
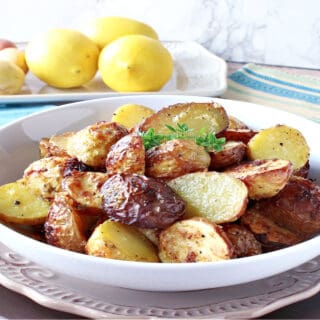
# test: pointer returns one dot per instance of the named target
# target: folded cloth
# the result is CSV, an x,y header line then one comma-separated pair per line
x,y
272,87
12,112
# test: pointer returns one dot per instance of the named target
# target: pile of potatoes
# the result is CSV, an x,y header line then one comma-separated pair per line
x,y
99,191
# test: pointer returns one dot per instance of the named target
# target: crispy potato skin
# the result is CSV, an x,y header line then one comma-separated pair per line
x,y
175,158
49,148
267,231
243,240
243,135
91,144
64,228
85,189
196,116
232,153
141,201
264,178
296,207
127,155
194,240
235,123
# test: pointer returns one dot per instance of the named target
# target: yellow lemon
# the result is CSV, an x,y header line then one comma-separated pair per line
x,y
63,58
16,56
11,78
135,63
131,114
106,29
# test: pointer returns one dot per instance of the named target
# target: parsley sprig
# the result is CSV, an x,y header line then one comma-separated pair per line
x,y
206,139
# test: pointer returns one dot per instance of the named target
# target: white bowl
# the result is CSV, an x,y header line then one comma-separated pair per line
x,y
19,147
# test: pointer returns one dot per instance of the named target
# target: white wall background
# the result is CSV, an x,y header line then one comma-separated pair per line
x,y
280,32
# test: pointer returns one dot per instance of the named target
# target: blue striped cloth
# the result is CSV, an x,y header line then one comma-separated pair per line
x,y
12,112
272,87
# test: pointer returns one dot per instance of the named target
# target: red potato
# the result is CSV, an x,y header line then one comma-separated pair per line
x,y
5,43
243,135
263,178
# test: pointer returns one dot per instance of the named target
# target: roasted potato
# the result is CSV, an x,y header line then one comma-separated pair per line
x,y
218,197
197,116
49,149
232,153
130,115
264,178
114,240
175,158
243,241
144,202
151,234
91,144
63,227
194,240
19,205
267,231
127,155
243,135
85,189
280,142
296,207
235,123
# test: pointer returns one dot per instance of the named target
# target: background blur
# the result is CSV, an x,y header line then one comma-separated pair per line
x,y
279,32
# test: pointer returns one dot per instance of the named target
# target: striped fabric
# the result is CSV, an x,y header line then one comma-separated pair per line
x,y
295,93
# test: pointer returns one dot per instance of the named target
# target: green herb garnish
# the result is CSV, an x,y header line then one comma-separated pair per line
x,y
206,139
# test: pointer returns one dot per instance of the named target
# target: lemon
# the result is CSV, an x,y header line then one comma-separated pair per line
x,y
131,114
135,63
11,78
62,58
16,56
106,29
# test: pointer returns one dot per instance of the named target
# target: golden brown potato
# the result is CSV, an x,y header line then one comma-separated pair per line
x,y
235,123
49,149
141,201
64,228
114,240
175,158
280,142
127,155
296,207
264,178
19,205
44,176
243,240
233,152
243,135
194,240
218,197
85,189
267,231
91,144
197,116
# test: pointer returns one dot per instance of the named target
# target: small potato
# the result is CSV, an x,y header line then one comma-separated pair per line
x,y
197,116
91,144
114,240
144,202
127,155
194,240
64,228
19,205
175,158
235,123
130,115
267,231
264,178
215,196
85,189
296,207
44,177
243,135
56,145
280,142
243,240
233,152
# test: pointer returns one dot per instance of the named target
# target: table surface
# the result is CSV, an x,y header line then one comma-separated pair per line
x,y
16,306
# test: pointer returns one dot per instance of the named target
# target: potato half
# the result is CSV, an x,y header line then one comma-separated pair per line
x,y
218,197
